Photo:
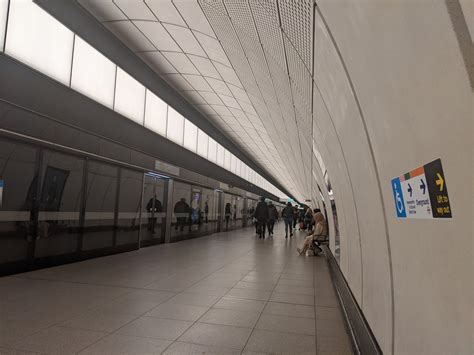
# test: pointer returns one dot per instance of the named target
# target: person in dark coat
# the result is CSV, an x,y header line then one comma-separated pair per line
x,y
272,217
153,207
261,215
288,217
181,210
296,214
228,213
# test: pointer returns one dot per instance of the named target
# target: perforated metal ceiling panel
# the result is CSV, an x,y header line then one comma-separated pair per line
x,y
245,64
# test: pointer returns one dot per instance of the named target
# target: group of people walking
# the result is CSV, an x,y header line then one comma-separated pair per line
x,y
265,217
313,221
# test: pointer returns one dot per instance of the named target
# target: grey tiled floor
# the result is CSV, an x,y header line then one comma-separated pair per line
x,y
228,293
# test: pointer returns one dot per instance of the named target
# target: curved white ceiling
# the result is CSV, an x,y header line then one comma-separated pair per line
x,y
245,64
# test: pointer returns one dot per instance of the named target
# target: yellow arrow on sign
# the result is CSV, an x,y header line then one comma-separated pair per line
x,y
440,182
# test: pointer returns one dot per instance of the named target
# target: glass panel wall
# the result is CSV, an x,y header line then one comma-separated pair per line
x,y
152,230
196,215
181,211
229,201
128,217
18,184
101,194
60,200
238,211
251,205
210,207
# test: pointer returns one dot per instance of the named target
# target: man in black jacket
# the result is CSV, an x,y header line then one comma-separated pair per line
x,y
288,217
272,217
261,215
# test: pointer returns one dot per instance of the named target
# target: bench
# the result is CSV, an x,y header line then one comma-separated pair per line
x,y
317,242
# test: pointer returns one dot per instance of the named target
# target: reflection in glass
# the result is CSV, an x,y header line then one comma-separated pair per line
x,y
99,219
128,225
153,211
59,204
18,187
181,209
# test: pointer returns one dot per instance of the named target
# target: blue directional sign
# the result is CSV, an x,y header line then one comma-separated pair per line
x,y
398,196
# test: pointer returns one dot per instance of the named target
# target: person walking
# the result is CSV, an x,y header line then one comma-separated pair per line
x,y
295,216
261,215
288,218
272,217
308,220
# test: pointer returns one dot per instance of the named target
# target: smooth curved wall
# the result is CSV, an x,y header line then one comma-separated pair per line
x,y
399,98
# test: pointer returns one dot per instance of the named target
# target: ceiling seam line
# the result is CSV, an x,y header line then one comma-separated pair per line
x,y
292,98
242,52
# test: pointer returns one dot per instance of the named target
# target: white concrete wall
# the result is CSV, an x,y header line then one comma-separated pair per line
x,y
413,279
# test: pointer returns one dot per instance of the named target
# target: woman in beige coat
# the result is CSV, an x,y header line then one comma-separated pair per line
x,y
320,229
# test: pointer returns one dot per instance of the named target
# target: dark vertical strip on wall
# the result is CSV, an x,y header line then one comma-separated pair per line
x,y
463,36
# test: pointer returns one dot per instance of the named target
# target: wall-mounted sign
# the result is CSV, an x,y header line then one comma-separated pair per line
x,y
167,168
422,193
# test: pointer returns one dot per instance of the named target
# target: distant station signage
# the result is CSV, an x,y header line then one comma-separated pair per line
x,y
422,193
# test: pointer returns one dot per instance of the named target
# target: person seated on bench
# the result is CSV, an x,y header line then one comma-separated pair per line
x,y
320,230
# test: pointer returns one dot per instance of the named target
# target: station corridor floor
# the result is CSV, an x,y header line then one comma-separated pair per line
x,y
227,293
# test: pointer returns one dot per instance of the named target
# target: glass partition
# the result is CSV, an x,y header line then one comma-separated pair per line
x,y
18,186
60,201
181,211
210,200
251,205
128,217
152,229
101,194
